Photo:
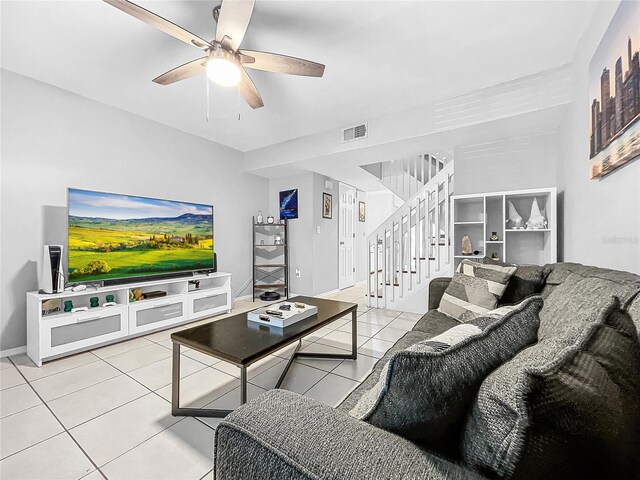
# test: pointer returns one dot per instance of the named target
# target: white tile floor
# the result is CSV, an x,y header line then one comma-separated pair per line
x,y
106,413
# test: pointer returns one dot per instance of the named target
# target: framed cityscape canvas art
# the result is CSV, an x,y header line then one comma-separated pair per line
x,y
289,204
614,94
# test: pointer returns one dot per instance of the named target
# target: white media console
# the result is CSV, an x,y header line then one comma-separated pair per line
x,y
56,334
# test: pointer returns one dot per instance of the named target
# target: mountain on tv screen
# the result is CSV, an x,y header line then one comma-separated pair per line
x,y
115,236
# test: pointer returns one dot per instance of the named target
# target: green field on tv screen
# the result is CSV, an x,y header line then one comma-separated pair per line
x,y
117,236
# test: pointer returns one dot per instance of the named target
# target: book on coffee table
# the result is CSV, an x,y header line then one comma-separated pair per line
x,y
273,315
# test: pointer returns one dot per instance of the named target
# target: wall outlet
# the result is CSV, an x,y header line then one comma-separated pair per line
x,y
298,272
318,230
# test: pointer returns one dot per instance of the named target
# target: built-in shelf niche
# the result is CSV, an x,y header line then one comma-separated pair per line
x,y
479,215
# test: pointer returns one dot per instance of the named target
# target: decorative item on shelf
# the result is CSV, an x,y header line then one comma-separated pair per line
x,y
261,242
327,205
94,302
110,298
277,239
361,212
515,220
109,304
79,309
135,295
495,257
270,219
269,296
51,306
494,237
259,217
467,249
154,294
68,305
195,283
536,221
289,204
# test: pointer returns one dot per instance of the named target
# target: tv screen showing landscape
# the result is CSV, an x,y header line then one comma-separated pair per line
x,y
114,236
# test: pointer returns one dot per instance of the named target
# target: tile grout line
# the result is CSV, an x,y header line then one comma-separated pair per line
x,y
61,424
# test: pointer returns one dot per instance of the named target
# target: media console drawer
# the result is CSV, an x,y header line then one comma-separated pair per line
x,y
156,314
207,303
77,330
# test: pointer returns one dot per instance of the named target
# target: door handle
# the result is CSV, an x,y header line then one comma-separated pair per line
x,y
341,243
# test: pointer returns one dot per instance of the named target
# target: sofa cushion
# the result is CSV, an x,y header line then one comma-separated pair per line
x,y
474,290
410,338
434,323
425,391
559,272
579,298
634,312
566,407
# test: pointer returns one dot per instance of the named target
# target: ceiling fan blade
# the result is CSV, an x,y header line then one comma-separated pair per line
x,y
248,90
187,70
160,23
233,20
272,62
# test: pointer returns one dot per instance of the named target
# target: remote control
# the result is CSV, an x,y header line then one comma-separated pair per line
x,y
79,309
109,304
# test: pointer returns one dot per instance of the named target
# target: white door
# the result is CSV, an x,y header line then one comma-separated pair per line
x,y
346,236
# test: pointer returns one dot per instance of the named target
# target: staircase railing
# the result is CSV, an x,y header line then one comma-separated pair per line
x,y
405,177
412,245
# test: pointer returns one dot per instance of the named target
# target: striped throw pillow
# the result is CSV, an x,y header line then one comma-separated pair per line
x,y
474,290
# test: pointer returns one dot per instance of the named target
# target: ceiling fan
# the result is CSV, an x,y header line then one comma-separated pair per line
x,y
224,62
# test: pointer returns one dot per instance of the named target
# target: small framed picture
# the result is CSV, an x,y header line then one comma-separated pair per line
x,y
361,212
327,205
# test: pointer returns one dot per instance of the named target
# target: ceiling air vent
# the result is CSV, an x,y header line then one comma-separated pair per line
x,y
354,133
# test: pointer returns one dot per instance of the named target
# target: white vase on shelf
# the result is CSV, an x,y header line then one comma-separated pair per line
x,y
514,220
536,221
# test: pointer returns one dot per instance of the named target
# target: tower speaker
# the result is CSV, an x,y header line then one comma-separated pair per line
x,y
51,275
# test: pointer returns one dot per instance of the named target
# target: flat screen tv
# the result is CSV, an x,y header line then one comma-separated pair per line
x,y
115,237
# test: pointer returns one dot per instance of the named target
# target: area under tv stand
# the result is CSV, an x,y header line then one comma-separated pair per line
x,y
58,334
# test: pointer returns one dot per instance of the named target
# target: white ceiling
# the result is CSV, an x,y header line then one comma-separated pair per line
x,y
381,57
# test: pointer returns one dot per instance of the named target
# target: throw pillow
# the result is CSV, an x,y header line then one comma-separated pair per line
x,y
566,407
526,281
426,390
474,290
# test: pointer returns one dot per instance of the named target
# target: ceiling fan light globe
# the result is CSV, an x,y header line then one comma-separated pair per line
x,y
223,71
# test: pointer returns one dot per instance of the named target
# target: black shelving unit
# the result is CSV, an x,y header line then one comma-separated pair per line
x,y
271,268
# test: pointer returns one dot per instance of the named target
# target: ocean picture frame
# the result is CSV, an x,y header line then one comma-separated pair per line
x,y
289,204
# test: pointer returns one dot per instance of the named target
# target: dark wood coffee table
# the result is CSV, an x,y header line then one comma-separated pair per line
x,y
241,342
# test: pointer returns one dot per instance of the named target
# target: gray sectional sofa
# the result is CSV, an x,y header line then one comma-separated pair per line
x,y
585,424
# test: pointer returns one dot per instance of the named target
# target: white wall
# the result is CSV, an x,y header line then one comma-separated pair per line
x,y
53,139
509,164
300,239
314,254
601,218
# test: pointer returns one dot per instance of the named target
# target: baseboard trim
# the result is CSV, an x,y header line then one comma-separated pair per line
x,y
13,351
